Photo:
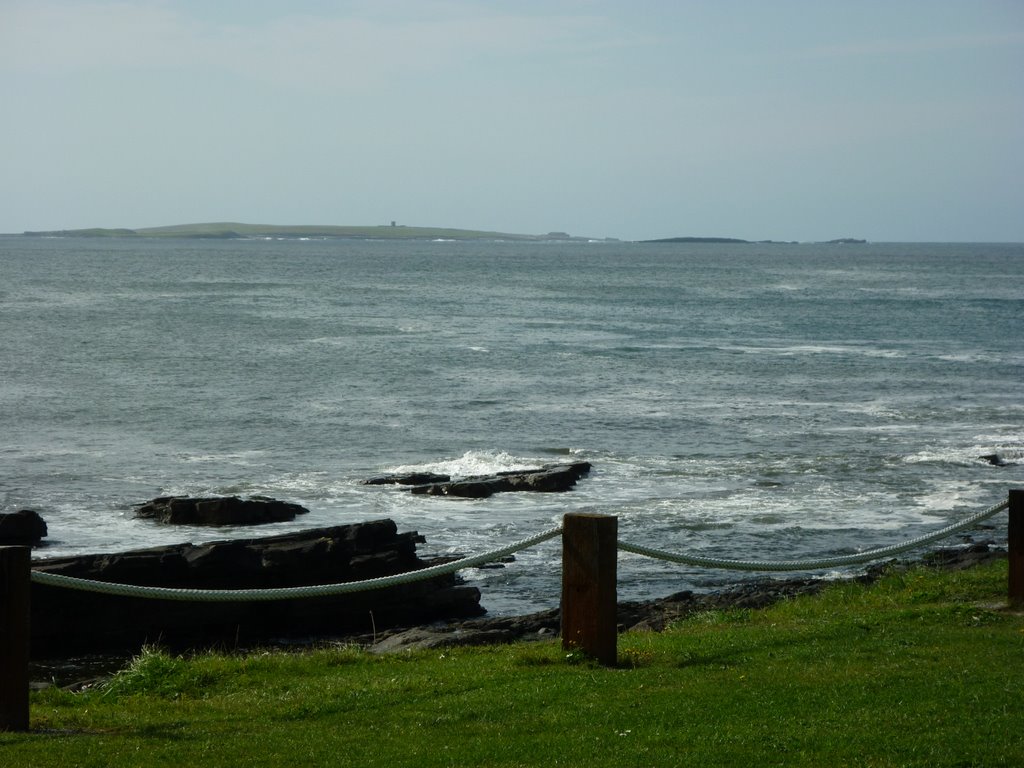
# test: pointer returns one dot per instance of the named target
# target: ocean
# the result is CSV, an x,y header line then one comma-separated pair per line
x,y
736,400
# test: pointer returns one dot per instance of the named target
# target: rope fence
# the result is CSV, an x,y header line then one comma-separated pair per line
x,y
816,563
444,569
589,554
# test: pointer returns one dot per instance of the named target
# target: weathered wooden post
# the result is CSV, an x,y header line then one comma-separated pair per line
x,y
15,565
1015,547
589,557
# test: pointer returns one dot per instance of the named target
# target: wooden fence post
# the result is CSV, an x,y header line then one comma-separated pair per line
x,y
15,566
1015,547
589,557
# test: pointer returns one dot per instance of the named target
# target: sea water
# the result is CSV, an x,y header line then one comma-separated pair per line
x,y
765,401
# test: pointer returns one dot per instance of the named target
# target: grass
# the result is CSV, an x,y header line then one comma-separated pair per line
x,y
921,669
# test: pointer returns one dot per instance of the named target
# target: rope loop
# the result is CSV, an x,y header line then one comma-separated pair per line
x,y
814,563
288,593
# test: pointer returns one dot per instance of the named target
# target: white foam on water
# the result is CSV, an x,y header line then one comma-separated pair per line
x,y
796,350
1003,358
965,456
332,341
954,495
240,458
472,463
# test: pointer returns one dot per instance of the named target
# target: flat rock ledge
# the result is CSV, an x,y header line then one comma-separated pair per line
x,y
68,622
551,478
219,510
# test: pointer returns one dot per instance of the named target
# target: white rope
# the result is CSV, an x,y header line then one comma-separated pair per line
x,y
288,593
813,564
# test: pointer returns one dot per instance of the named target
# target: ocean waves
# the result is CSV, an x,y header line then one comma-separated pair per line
x,y
780,403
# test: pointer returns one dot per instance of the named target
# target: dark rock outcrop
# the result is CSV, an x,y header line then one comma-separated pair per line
x,y
67,622
221,510
22,528
996,460
553,478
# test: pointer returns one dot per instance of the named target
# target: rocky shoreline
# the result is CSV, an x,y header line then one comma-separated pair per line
x,y
78,672
656,615
67,625
68,622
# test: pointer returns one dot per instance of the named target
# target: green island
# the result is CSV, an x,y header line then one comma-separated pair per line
x,y
921,668
235,230
228,230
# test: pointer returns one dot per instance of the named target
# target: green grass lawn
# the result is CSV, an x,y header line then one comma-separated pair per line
x,y
920,669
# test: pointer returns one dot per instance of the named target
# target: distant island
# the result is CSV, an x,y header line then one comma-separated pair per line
x,y
393,231
839,241
696,240
235,230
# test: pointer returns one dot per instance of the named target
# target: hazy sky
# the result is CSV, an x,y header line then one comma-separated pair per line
x,y
889,120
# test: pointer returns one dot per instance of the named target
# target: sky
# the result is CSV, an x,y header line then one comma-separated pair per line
x,y
891,120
